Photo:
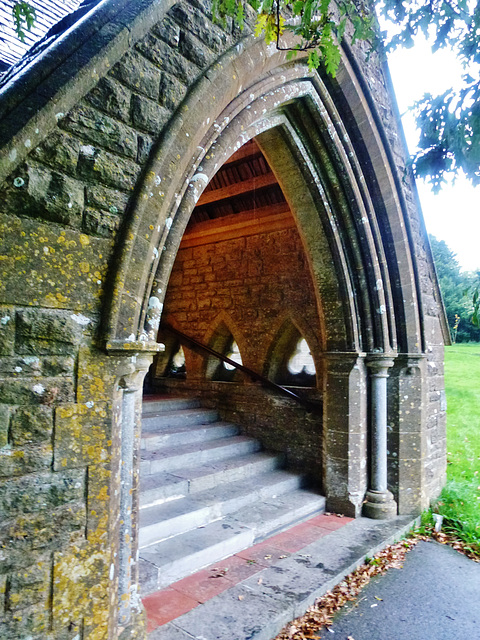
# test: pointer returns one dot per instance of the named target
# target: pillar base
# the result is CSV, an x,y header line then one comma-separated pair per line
x,y
379,505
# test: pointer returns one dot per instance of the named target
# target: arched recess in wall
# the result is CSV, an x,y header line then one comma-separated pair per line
x,y
291,359
225,339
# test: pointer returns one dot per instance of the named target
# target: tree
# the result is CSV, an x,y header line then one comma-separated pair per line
x,y
456,287
449,123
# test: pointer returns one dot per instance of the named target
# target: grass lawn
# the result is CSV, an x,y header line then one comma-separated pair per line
x,y
460,500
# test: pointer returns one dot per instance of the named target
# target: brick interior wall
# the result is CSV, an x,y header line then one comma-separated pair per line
x,y
254,285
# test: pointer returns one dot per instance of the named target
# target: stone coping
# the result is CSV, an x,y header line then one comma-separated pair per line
x,y
254,593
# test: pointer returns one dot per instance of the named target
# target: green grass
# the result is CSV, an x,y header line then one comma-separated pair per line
x,y
460,500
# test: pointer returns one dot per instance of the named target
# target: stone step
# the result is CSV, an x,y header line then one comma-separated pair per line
x,y
179,556
158,404
164,486
179,516
169,459
173,437
181,418
259,606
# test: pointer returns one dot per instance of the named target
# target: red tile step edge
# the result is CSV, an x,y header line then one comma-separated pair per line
x,y
184,595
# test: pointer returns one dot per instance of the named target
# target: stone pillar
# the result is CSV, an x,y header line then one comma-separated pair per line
x,y
344,431
128,420
379,500
409,424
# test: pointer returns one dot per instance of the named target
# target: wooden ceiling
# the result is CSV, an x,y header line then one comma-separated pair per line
x,y
245,184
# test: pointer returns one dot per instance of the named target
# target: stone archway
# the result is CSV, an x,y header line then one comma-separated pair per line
x,y
118,135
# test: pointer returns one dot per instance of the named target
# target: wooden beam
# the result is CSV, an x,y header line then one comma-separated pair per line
x,y
265,220
237,189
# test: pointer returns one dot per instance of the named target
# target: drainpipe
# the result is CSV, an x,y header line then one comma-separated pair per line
x,y
379,503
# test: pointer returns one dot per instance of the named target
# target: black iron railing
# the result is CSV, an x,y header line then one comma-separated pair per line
x,y
311,407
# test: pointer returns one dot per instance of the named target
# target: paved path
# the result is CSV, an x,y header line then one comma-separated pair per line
x,y
436,596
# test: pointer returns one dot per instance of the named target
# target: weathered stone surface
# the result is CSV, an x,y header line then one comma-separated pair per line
x,y
79,576
29,586
31,622
36,390
40,492
145,143
200,26
50,266
7,330
28,459
39,192
148,115
170,61
138,73
97,165
31,424
98,128
82,435
171,92
42,331
59,151
111,200
112,97
100,223
5,413
48,529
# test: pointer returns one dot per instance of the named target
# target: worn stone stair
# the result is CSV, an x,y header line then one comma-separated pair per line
x,y
207,492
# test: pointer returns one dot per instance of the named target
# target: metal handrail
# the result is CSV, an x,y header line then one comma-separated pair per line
x,y
310,406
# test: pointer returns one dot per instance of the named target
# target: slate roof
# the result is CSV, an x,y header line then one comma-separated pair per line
x,y
54,17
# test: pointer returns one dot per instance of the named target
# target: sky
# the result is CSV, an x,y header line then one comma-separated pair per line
x,y
454,214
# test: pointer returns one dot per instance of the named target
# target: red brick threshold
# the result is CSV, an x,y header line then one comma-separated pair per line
x,y
183,596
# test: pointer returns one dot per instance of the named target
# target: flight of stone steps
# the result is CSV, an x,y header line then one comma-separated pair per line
x,y
207,492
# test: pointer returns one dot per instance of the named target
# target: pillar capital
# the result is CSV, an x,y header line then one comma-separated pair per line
x,y
380,363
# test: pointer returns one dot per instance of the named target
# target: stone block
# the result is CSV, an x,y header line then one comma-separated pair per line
x,y
29,586
36,390
31,623
201,27
111,97
59,151
194,50
167,59
138,73
148,115
168,30
31,424
111,200
5,413
145,143
98,165
7,330
40,192
45,331
52,267
94,126
100,223
28,459
82,435
81,593
51,529
39,492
